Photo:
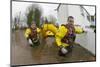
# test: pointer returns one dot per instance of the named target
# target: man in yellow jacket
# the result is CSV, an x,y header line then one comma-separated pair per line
x,y
31,34
49,28
66,36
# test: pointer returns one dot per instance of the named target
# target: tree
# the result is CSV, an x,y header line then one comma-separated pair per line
x,y
33,14
37,17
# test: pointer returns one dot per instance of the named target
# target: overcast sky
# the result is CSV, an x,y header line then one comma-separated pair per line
x,y
21,6
48,9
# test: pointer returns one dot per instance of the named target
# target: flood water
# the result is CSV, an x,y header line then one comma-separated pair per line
x,y
46,52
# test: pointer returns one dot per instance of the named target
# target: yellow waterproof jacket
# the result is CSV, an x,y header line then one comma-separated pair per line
x,y
28,32
48,27
60,34
78,30
49,33
62,31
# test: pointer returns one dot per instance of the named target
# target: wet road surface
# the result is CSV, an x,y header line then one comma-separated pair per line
x,y
46,52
